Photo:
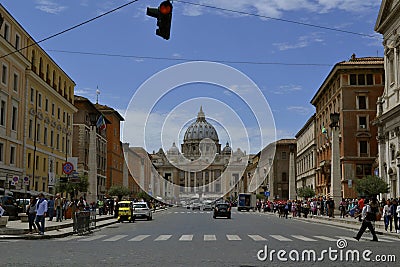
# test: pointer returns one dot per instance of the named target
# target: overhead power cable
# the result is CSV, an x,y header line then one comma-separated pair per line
x,y
189,59
279,19
71,28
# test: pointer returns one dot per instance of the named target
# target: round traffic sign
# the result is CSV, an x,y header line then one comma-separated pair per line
x,y
67,167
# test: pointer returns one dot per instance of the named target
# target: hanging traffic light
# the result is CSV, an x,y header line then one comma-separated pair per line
x,y
164,16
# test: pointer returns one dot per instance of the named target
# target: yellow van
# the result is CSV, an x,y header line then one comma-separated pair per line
x,y
125,211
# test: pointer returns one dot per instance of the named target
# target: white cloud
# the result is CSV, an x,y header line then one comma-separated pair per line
x,y
301,42
49,6
275,8
287,89
348,5
299,110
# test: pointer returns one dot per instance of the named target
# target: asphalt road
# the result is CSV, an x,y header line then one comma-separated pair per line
x,y
181,237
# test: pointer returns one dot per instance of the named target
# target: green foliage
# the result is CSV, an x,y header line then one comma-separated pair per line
x,y
119,190
143,195
70,188
260,196
306,192
371,186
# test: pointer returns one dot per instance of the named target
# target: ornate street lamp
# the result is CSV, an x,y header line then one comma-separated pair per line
x,y
334,120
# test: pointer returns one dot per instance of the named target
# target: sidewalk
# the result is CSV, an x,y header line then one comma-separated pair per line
x,y
19,230
347,222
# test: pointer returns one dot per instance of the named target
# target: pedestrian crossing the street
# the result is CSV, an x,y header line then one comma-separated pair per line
x,y
220,237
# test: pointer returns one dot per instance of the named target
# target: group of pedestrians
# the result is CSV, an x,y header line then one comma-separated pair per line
x,y
368,211
299,208
40,208
37,210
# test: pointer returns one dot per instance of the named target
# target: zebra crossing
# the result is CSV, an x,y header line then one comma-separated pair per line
x,y
220,237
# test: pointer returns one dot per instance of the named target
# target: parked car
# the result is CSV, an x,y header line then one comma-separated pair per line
x,y
222,210
10,207
142,210
195,206
207,206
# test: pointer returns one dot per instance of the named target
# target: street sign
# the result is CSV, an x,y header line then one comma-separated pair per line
x,y
26,180
267,194
75,180
75,174
67,168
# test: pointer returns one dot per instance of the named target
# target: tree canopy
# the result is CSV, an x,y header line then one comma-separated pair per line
x,y
72,188
118,190
370,186
305,192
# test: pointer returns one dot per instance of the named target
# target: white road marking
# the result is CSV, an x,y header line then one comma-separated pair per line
x,y
210,238
325,238
115,238
233,237
163,237
92,238
281,238
304,238
139,238
257,238
186,238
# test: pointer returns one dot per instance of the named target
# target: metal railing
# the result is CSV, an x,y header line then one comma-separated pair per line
x,y
84,222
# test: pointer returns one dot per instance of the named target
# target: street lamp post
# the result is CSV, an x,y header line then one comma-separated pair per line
x,y
336,180
292,172
92,174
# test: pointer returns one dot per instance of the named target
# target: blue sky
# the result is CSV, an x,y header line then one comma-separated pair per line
x,y
203,33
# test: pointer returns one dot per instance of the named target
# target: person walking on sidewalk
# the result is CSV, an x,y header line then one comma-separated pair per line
x,y
367,218
41,210
398,218
50,208
387,216
58,208
1,210
393,211
31,211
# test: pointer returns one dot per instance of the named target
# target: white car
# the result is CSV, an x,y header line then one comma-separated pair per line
x,y
142,210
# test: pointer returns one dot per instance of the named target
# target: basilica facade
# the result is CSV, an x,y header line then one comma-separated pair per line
x,y
201,169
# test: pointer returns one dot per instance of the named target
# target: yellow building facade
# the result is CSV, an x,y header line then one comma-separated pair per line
x,y
45,109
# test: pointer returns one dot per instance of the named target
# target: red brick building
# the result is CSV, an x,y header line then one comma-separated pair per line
x,y
351,89
115,153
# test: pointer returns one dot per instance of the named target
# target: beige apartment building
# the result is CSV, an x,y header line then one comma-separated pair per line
x,y
388,115
37,104
306,155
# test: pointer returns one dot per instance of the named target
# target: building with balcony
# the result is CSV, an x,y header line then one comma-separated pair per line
x,y
115,153
351,90
90,147
306,159
388,115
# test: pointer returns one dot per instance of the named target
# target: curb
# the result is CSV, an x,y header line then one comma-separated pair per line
x,y
25,236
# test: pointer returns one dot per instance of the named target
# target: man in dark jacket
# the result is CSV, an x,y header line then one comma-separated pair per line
x,y
367,217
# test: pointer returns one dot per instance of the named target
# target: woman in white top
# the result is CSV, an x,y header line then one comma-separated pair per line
x,y
398,218
387,216
1,210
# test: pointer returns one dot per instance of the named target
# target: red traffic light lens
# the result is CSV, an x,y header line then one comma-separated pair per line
x,y
165,8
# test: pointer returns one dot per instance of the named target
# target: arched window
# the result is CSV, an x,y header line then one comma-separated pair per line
x,y
33,61
41,68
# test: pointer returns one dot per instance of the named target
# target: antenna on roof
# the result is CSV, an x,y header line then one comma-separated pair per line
x,y
97,95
